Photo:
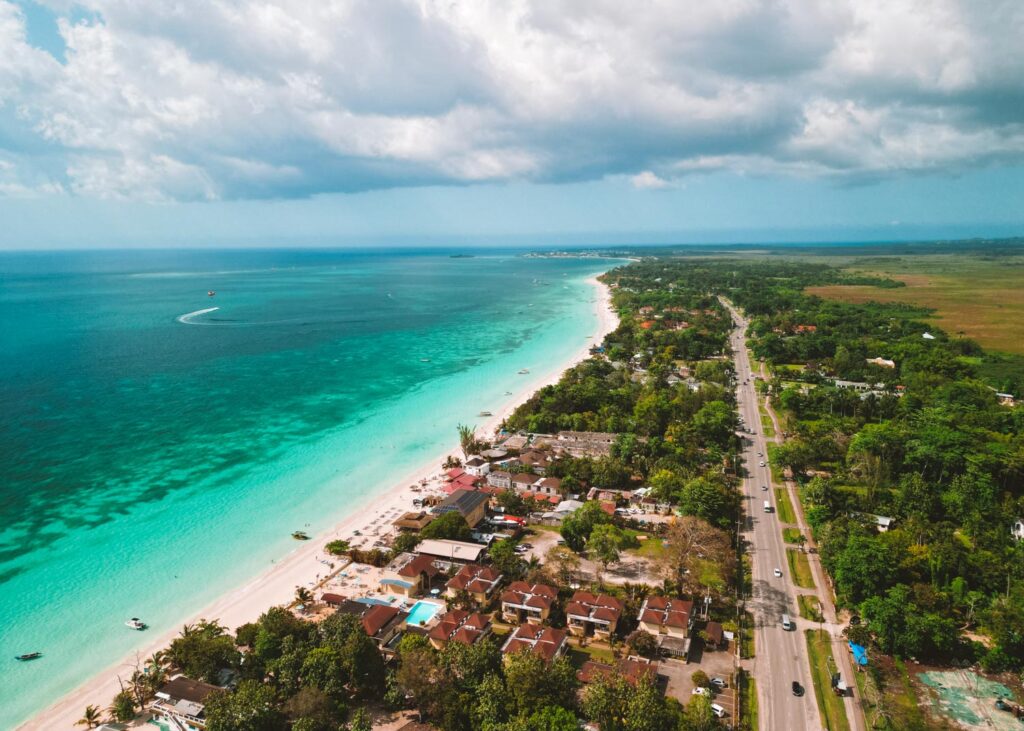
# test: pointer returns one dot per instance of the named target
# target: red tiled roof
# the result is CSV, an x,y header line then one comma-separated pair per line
x,y
376,617
543,641
420,564
594,606
666,612
455,472
538,596
475,578
460,626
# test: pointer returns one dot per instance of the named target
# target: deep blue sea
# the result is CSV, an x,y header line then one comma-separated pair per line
x,y
155,452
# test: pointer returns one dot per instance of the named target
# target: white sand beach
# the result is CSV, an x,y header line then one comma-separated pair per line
x,y
303,566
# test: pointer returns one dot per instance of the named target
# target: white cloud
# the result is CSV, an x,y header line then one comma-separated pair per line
x,y
649,181
201,100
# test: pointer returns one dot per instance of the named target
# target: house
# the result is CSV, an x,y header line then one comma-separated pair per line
x,y
333,600
409,574
537,460
1017,530
549,486
500,479
633,669
715,636
524,482
454,473
459,626
661,615
382,623
515,442
593,614
558,514
180,702
883,522
477,466
470,504
522,601
465,481
546,642
413,521
476,580
883,362
451,554
1005,399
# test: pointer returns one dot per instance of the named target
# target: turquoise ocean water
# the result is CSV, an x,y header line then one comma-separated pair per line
x,y
149,461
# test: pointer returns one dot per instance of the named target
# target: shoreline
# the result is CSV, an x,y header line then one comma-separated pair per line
x,y
302,566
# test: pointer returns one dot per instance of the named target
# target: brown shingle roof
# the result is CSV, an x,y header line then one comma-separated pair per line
x,y
377,617
475,578
460,626
420,564
542,641
594,606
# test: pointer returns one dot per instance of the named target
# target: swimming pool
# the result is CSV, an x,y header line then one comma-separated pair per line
x,y
422,612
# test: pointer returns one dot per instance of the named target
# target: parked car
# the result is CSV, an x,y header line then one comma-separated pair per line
x,y
719,683
778,573
699,690
718,710
798,690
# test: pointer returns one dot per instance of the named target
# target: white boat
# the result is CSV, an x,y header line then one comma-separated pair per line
x,y
524,371
485,413
135,623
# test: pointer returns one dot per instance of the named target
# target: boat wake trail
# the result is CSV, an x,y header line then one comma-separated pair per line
x,y
187,318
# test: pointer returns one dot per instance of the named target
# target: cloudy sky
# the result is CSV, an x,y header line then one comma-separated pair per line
x,y
195,122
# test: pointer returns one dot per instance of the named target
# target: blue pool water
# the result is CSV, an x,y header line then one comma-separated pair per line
x,y
422,612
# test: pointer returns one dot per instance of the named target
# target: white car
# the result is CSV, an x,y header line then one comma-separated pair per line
x,y
701,691
719,683
762,464
778,573
764,487
718,710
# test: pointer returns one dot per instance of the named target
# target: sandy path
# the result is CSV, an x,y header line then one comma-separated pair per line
x,y
303,567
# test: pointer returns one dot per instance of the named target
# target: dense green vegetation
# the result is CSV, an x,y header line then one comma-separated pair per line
x,y
924,442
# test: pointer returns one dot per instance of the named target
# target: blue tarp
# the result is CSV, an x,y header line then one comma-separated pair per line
x,y
860,654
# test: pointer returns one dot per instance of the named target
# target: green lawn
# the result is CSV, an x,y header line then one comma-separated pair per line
x,y
748,702
800,568
784,506
819,649
747,636
653,547
766,421
579,655
791,535
810,607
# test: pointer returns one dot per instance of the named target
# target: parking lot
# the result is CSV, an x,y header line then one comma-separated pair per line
x,y
717,664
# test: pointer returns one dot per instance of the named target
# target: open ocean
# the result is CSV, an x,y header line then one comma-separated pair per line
x,y
155,453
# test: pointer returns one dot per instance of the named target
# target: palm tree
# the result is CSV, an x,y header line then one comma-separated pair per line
x,y
91,717
303,595
467,438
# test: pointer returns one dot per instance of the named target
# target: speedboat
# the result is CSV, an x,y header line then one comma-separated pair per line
x,y
300,535
29,656
485,413
524,371
210,293
135,623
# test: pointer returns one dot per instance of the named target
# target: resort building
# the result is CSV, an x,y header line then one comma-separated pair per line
x,y
460,626
447,555
180,703
524,482
477,466
521,601
478,581
593,614
536,459
383,623
409,574
545,642
414,521
470,504
661,615
586,443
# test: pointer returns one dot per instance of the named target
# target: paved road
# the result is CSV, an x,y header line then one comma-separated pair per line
x,y
780,655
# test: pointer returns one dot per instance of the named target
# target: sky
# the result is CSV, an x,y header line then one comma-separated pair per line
x,y
542,122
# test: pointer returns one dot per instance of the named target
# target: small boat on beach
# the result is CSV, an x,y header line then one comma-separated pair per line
x,y
28,656
135,623
300,535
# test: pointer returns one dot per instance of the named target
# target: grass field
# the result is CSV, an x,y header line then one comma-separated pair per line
x,y
810,607
833,713
791,535
784,506
976,296
799,568
747,636
651,548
